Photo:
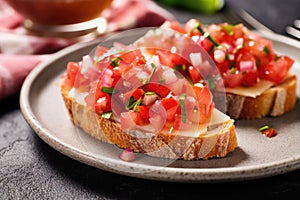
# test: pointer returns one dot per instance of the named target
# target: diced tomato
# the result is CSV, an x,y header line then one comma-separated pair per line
x,y
194,74
192,111
171,105
205,43
134,57
246,64
277,70
72,71
179,124
174,25
116,76
99,100
157,88
102,102
170,59
199,109
232,78
203,95
143,112
238,32
138,93
259,48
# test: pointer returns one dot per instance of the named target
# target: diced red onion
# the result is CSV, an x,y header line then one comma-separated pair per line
x,y
107,80
127,155
196,59
219,55
246,66
149,99
169,76
127,120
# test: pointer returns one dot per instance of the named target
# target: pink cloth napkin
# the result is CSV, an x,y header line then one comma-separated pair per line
x,y
20,52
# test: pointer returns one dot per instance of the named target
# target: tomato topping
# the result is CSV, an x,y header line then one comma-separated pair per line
x,y
163,89
242,57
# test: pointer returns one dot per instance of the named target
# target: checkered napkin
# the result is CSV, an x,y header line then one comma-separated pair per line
x,y
20,51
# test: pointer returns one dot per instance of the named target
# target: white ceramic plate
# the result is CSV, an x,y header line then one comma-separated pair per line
x,y
256,157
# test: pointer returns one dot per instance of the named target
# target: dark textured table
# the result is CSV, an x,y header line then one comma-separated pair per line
x,y
30,169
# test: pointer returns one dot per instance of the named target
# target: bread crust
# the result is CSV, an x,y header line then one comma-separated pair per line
x,y
161,145
274,102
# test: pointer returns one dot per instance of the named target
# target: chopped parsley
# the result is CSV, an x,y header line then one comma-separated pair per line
x,y
108,90
207,35
228,29
106,115
263,128
266,51
182,107
115,62
132,104
151,74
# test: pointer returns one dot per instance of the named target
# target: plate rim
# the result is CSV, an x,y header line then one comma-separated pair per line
x,y
199,174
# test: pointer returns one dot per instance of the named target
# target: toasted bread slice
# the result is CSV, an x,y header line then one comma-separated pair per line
x,y
274,102
218,142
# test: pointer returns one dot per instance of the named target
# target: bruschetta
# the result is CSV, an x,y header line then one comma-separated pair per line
x,y
138,96
258,81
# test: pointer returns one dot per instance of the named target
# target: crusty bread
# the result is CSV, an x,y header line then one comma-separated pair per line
x,y
163,145
274,102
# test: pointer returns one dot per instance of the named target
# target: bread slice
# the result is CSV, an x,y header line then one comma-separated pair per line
x,y
274,102
218,143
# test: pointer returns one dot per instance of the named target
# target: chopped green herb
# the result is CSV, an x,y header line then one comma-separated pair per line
x,y
108,90
263,128
151,75
106,115
232,70
130,103
136,104
257,62
277,57
180,67
115,62
212,82
266,51
232,65
161,81
182,107
229,29
149,93
207,35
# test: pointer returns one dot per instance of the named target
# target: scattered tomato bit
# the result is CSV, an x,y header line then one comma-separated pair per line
x,y
127,155
267,131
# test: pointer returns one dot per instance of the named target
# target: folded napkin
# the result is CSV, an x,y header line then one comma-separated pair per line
x,y
20,51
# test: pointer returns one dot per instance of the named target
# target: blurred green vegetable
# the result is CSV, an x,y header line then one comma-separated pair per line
x,y
204,6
